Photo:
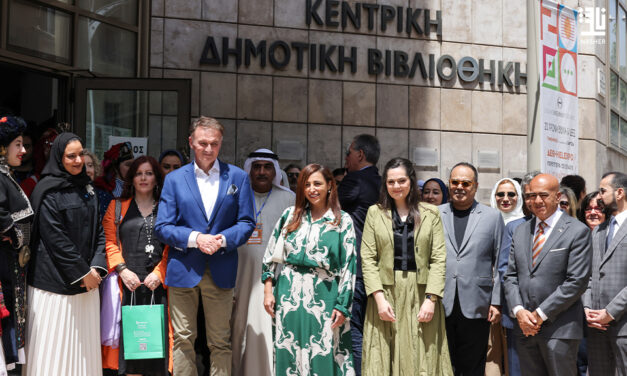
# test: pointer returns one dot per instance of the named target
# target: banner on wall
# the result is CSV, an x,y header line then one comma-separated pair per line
x,y
558,104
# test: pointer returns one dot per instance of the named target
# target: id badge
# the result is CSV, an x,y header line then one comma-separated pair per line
x,y
256,236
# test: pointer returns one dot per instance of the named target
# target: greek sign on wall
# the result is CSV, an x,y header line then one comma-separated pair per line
x,y
339,15
558,104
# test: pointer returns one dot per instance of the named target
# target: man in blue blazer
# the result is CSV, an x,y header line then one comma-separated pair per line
x,y
205,213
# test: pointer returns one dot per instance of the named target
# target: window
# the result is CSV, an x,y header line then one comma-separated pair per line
x,y
618,74
104,41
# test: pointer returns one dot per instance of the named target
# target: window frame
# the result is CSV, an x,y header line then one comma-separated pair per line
x,y
616,108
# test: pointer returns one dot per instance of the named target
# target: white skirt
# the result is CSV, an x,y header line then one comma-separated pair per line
x,y
3,364
63,334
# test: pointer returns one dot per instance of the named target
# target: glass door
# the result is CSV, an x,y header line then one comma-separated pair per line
x,y
154,112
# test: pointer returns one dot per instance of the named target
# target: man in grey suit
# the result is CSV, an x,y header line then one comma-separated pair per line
x,y
548,270
472,291
605,300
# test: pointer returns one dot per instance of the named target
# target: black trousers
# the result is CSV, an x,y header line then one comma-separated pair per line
x,y
467,342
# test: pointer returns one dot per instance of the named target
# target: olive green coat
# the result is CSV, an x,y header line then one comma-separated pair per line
x,y
377,250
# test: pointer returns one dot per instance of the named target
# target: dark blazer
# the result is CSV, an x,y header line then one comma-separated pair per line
x,y
357,192
506,244
71,241
471,270
608,283
558,279
182,211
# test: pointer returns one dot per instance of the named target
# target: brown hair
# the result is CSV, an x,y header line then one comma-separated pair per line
x,y
206,122
129,189
301,203
386,202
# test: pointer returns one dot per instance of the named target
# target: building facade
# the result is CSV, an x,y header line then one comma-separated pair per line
x,y
437,81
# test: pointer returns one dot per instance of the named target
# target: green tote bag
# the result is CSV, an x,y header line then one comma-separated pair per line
x,y
143,330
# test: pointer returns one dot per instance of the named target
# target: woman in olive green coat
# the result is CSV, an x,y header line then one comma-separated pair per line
x,y
403,259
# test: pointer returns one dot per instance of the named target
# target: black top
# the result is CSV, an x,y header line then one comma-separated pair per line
x,y
357,192
460,221
134,238
70,242
404,257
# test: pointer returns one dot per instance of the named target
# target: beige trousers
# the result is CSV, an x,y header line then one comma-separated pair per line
x,y
218,304
496,360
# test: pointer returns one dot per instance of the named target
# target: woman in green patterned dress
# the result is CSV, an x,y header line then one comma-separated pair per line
x,y
313,291
403,262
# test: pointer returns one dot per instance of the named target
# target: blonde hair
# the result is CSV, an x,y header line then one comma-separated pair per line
x,y
97,166
572,201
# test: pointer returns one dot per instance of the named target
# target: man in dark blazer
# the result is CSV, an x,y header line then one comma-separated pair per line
x,y
605,300
472,291
507,322
205,214
548,270
357,192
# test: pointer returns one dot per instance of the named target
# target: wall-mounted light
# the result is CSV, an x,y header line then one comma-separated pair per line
x,y
290,150
425,157
488,159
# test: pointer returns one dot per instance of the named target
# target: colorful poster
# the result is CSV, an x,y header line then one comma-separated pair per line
x,y
558,104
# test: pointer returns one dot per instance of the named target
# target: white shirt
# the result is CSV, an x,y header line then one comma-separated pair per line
x,y
548,228
208,185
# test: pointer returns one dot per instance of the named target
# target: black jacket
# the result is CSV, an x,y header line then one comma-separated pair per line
x,y
70,240
357,192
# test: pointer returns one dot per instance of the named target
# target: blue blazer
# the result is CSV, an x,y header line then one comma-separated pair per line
x,y
182,211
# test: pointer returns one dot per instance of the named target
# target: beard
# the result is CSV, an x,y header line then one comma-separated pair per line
x,y
613,206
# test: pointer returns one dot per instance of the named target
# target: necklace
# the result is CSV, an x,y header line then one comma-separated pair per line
x,y
149,247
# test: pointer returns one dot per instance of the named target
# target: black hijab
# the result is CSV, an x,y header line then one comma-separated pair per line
x,y
54,175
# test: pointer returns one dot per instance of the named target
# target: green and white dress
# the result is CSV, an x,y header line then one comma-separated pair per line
x,y
318,276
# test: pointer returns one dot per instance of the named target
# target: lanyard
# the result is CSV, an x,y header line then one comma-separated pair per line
x,y
258,213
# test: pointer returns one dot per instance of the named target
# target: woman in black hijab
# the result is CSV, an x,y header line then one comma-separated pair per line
x,y
67,266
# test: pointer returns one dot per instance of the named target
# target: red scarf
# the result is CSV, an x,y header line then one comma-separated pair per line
x,y
3,309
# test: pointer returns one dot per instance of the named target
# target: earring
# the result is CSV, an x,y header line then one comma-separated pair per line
x,y
329,191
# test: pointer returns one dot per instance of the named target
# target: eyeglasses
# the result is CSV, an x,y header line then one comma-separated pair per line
x,y
509,194
532,196
590,209
564,204
292,174
464,183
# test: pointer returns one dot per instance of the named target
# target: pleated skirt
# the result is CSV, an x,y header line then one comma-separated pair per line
x,y
3,364
63,334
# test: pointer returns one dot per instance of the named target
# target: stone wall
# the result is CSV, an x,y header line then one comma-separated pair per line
x,y
322,111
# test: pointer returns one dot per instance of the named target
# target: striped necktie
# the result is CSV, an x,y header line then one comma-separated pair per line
x,y
538,242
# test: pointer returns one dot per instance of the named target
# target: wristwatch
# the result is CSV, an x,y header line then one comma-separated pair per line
x,y
433,298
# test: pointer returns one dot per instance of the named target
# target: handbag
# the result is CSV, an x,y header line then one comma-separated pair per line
x,y
278,253
111,305
143,330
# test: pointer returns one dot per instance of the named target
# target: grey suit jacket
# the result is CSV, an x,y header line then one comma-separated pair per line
x,y
471,270
608,283
558,279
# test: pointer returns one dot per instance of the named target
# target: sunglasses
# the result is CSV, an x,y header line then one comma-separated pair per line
x,y
464,183
292,174
564,203
509,194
